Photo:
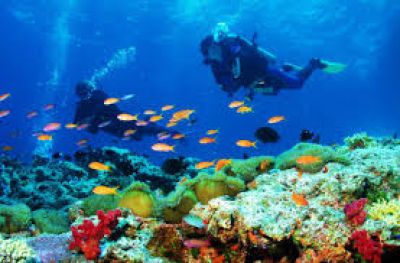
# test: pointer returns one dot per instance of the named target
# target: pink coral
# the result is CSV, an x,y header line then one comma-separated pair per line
x,y
368,248
354,211
87,236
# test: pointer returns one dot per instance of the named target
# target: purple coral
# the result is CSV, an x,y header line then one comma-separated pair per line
x,y
51,248
354,211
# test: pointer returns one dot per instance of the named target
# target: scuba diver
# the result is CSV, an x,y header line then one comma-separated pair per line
x,y
236,62
91,111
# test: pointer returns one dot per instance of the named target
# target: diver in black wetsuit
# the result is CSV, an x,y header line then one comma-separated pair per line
x,y
237,62
91,110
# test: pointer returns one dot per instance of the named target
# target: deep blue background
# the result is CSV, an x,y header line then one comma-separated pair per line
x,y
168,69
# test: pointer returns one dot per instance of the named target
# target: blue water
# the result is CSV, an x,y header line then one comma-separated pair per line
x,y
48,46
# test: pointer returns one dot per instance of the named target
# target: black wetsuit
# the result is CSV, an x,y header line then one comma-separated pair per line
x,y
255,69
93,112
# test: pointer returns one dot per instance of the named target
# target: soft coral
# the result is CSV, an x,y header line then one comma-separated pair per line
x,y
87,236
368,248
355,213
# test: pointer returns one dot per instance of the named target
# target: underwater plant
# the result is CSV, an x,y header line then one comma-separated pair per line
x,y
139,199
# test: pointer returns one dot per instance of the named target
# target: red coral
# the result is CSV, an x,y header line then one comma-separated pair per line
x,y
87,236
354,211
368,248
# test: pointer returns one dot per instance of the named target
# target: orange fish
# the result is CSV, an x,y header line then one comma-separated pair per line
x,y
127,117
308,159
244,109
105,190
82,142
235,104
167,107
31,114
299,199
182,114
246,143
252,237
207,140
325,169
4,113
45,137
204,165
156,118
49,107
276,119
149,112
52,126
178,136
99,166
219,259
184,179
211,132
162,147
141,123
222,163
111,101
7,148
71,125
4,96
129,132
171,124
264,166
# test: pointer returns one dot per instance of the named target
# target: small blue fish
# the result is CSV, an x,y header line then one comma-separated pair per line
x,y
193,220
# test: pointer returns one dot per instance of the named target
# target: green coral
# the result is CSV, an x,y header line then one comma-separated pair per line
x,y
50,221
139,199
93,203
209,187
325,154
248,169
178,204
360,141
386,211
14,218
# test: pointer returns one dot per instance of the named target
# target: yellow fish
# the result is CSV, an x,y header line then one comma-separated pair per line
x,y
129,132
45,137
127,117
167,107
276,119
178,136
171,124
162,147
99,166
105,190
7,148
244,109
207,140
110,101
222,163
203,165
156,118
71,125
149,112
182,114
211,132
245,143
308,159
235,104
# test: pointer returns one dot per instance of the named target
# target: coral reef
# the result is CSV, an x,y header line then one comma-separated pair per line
x,y
360,141
16,250
325,154
139,199
368,248
354,211
14,218
50,221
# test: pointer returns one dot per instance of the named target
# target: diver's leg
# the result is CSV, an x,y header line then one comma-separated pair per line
x,y
312,65
287,80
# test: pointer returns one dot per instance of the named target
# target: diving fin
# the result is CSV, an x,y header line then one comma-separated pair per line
x,y
333,67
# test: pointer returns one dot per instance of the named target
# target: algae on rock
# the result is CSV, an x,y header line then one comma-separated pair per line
x,y
50,221
14,218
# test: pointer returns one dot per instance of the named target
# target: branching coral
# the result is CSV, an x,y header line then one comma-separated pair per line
x,y
387,211
87,236
355,213
368,248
